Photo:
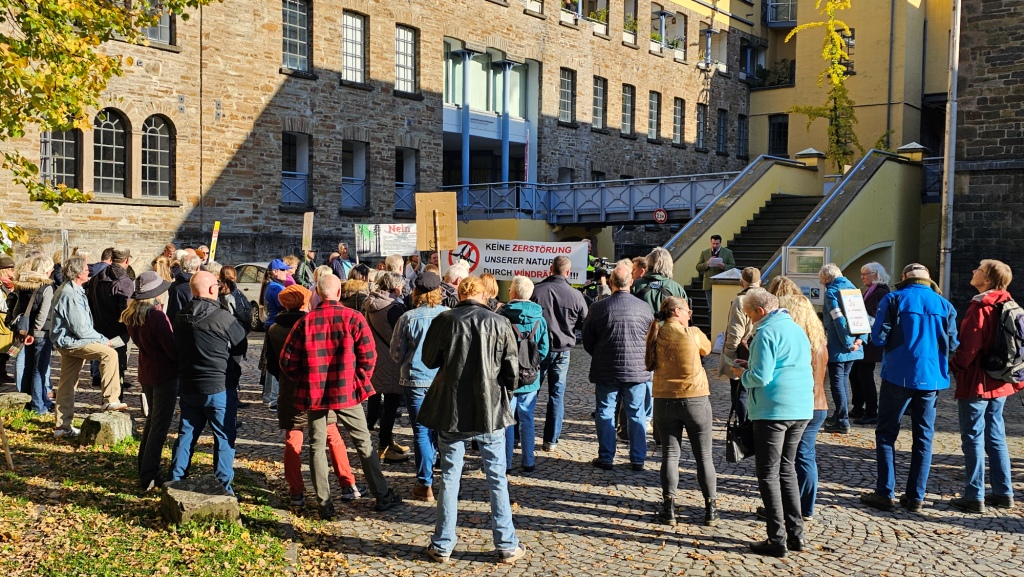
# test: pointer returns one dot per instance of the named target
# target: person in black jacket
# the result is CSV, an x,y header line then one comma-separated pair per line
x,y
108,292
180,293
476,354
206,336
614,334
564,311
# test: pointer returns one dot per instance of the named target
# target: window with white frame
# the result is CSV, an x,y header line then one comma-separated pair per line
x,y
295,34
654,115
110,153
722,134
600,114
405,59
353,47
702,126
59,157
628,104
678,120
163,31
157,157
567,95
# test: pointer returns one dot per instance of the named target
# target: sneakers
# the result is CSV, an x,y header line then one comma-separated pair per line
x,y
999,501
878,501
602,465
114,407
390,456
968,506
437,556
351,493
272,407
297,500
548,447
836,428
423,493
327,511
910,504
72,432
510,557
390,500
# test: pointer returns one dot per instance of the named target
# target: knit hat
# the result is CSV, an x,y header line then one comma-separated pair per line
x,y
294,297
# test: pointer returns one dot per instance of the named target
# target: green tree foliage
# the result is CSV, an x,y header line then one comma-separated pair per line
x,y
838,108
54,73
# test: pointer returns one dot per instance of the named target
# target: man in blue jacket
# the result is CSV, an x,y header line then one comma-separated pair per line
x,y
917,328
843,348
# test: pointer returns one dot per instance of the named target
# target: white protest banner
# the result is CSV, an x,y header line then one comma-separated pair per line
x,y
380,240
857,318
508,258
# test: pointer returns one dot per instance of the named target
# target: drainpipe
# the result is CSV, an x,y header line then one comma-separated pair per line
x,y
949,162
466,55
662,14
888,96
506,90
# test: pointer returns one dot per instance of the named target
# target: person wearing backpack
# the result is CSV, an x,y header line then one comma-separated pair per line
x,y
531,329
980,396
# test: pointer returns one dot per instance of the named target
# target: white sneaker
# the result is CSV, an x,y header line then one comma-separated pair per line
x,y
115,407
73,432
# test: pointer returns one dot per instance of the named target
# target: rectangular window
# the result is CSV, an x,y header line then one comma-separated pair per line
x,y
567,96
600,119
295,168
722,134
654,116
353,47
163,31
778,135
702,126
628,100
59,158
678,120
295,34
353,174
743,137
405,59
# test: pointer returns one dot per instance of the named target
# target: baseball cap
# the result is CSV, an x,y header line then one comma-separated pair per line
x,y
915,270
278,264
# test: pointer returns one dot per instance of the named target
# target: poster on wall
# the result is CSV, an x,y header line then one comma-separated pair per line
x,y
381,240
509,258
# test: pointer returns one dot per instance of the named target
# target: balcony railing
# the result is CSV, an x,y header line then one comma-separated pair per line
x,y
353,193
294,188
585,202
781,74
405,197
782,12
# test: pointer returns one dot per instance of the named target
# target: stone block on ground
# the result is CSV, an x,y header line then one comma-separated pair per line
x,y
199,498
106,428
14,400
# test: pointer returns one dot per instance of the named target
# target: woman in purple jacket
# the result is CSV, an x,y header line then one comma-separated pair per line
x,y
150,330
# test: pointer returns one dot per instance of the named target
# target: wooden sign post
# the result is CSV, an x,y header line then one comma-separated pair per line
x,y
436,221
307,233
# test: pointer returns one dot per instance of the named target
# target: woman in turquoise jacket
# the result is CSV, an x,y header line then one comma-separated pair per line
x,y
780,383
843,348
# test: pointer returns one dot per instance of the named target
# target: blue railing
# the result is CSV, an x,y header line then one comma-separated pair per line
x,y
584,202
405,197
294,189
353,193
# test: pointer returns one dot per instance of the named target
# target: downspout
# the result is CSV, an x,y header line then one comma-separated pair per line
x,y
888,95
202,111
949,162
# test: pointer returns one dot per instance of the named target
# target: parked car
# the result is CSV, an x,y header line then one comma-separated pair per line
x,y
252,282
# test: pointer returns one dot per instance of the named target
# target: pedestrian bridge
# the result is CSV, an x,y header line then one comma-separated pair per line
x,y
599,202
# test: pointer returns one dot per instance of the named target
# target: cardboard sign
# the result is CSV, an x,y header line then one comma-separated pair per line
x,y
213,241
857,318
380,240
447,221
307,232
508,258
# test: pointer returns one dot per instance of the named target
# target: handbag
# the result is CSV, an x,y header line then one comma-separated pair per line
x,y
739,439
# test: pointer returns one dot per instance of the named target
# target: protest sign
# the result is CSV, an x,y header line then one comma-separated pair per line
x,y
857,318
508,258
436,217
380,240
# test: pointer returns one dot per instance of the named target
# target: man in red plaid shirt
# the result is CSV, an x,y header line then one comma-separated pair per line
x,y
330,355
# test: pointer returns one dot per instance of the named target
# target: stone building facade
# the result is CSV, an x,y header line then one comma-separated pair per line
x,y
989,184
225,122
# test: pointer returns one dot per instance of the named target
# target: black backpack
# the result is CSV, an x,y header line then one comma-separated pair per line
x,y
1005,360
529,355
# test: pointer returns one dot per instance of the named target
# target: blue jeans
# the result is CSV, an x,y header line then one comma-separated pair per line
x,y
424,446
634,399
270,389
982,431
522,406
492,454
556,367
807,463
893,402
32,369
196,412
839,379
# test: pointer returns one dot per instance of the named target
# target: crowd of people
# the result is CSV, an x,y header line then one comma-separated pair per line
x,y
469,367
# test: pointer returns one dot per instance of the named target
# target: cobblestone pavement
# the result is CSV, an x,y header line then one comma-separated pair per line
x,y
578,520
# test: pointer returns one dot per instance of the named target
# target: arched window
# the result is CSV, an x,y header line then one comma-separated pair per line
x,y
157,157
110,153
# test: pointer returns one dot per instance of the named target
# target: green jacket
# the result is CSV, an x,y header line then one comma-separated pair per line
x,y
653,288
702,265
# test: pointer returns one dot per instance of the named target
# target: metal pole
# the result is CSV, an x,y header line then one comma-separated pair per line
x,y
949,162
506,122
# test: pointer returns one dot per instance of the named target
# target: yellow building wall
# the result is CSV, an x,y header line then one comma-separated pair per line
x,y
935,52
780,178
